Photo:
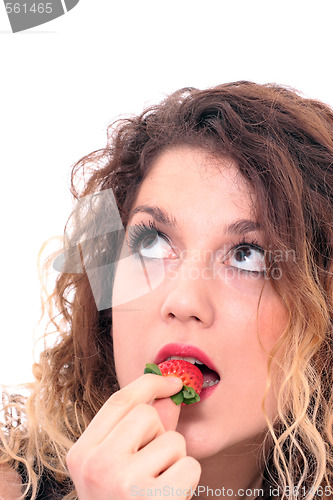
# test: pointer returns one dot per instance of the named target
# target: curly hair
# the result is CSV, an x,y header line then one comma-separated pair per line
x,y
282,144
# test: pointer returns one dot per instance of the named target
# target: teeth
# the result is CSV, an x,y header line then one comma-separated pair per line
x,y
186,358
210,384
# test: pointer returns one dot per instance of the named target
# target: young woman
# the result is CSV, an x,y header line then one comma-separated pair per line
x,y
226,196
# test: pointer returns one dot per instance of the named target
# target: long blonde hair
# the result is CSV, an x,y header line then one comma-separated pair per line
x,y
283,145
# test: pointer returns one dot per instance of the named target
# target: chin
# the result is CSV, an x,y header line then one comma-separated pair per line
x,y
201,440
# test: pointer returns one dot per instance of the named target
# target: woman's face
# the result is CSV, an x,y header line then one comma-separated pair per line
x,y
190,287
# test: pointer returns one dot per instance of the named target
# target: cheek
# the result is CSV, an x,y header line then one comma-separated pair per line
x,y
254,317
135,278
272,321
273,318
251,335
258,317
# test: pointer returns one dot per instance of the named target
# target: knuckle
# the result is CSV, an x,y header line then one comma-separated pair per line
x,y
93,470
90,469
176,438
192,464
72,459
145,411
122,484
119,398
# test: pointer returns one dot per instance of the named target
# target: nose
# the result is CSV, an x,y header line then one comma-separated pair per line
x,y
189,295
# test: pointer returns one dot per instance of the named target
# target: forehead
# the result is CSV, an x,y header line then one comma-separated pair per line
x,y
193,181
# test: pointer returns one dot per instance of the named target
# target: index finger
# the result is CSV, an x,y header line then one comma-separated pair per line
x,y
142,390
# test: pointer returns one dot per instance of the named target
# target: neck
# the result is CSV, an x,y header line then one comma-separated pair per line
x,y
233,472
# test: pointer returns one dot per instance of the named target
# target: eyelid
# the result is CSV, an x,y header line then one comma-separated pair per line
x,y
137,232
244,243
261,271
134,231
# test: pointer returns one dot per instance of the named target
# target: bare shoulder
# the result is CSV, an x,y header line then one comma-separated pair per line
x,y
10,484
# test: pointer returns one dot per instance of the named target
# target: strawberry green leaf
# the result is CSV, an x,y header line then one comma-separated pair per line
x,y
178,398
192,400
188,392
190,396
187,395
152,368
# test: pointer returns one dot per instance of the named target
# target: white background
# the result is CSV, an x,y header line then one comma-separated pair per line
x,y
62,84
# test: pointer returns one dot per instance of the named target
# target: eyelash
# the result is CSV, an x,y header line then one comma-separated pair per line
x,y
139,232
250,244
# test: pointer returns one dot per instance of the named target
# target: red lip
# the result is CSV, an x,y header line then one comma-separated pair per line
x,y
184,350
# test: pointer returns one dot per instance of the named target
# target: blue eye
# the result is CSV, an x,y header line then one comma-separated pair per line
x,y
247,257
149,243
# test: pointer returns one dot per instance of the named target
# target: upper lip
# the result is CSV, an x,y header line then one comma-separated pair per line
x,y
184,350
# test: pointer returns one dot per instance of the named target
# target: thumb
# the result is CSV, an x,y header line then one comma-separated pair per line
x,y
168,412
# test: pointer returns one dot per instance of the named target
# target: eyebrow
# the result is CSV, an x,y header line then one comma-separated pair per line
x,y
158,214
242,226
238,227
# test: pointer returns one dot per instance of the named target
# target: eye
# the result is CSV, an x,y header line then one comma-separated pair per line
x,y
247,257
149,243
155,248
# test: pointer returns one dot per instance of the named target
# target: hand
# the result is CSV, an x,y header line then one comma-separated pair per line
x,y
126,447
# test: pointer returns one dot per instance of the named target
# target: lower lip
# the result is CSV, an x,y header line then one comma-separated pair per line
x,y
206,392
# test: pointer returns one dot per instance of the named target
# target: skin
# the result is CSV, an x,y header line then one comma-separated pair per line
x,y
140,437
10,484
217,315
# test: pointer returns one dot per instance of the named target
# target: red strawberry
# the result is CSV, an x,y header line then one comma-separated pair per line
x,y
190,375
